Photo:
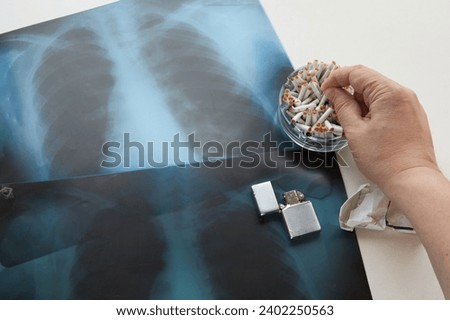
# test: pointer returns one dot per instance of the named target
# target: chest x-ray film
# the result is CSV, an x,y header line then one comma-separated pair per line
x,y
149,69
104,206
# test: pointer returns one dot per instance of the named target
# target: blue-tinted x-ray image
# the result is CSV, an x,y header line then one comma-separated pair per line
x,y
152,69
105,207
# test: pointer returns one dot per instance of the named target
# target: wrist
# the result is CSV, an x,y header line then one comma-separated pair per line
x,y
410,182
405,167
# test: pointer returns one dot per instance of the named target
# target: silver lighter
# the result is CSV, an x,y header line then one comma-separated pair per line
x,y
298,215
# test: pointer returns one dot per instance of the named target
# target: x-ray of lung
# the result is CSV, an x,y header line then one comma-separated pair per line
x,y
81,96
137,235
150,69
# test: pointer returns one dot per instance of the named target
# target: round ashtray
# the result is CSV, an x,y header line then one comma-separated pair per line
x,y
304,112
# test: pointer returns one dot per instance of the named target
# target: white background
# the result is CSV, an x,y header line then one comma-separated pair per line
x,y
408,41
15,14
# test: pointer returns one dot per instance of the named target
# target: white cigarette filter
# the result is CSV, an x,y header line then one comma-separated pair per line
x,y
291,93
328,125
337,129
315,88
296,117
306,101
306,104
308,92
325,115
308,119
314,116
320,69
323,100
303,127
300,108
302,91
324,76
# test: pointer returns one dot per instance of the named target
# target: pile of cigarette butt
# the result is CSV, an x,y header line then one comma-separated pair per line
x,y
306,104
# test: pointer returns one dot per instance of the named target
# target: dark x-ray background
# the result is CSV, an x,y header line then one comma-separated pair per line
x,y
154,69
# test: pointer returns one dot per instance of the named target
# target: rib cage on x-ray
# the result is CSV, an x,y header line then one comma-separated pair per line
x,y
144,68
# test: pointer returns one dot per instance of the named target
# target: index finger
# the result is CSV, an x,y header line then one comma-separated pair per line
x,y
359,77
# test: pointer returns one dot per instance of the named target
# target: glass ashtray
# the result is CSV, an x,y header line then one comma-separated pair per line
x,y
326,142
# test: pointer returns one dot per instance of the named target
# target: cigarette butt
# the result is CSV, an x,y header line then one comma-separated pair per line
x,y
325,75
295,118
290,113
302,92
325,115
314,117
297,81
328,125
306,101
320,69
323,100
300,120
305,72
350,89
332,65
300,108
310,105
299,85
305,128
308,92
291,101
320,108
337,129
308,120
316,90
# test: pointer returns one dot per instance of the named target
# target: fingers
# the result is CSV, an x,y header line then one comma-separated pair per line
x,y
338,78
347,108
360,99
359,77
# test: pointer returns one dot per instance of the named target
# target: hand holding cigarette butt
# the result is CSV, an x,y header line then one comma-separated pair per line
x,y
388,133
386,126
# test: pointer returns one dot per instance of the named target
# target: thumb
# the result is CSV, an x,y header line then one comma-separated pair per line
x,y
347,108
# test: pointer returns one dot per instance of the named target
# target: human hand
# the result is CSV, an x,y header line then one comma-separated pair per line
x,y
385,124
